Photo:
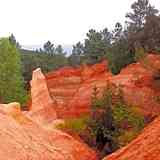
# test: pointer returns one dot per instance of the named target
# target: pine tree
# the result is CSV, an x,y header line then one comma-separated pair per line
x,y
95,46
11,81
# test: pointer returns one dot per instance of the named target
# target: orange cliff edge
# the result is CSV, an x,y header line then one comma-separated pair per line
x,y
145,147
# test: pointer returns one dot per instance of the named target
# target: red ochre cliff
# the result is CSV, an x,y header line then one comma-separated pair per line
x,y
66,93
72,88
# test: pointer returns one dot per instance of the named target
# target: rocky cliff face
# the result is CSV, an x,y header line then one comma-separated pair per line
x,y
140,85
72,88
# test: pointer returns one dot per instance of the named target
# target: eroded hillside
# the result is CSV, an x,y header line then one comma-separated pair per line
x,y
72,88
66,93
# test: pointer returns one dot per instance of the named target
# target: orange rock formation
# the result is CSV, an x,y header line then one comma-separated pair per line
x,y
31,135
145,147
66,93
72,88
42,108
23,139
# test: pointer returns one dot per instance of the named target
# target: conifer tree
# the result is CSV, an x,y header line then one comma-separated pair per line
x,y
11,80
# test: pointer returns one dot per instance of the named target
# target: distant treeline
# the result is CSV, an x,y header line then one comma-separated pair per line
x,y
120,46
33,59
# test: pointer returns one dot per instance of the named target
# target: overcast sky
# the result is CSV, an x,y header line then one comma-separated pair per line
x,y
61,21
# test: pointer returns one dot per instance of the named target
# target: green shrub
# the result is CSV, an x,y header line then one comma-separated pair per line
x,y
76,125
116,121
140,54
129,123
123,113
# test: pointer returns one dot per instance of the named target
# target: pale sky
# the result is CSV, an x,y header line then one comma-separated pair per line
x,y
33,22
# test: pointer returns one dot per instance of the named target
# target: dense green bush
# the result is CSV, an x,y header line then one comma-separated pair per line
x,y
125,114
128,122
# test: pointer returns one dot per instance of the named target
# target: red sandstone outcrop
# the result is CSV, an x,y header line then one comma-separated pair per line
x,y
145,147
72,88
30,136
42,108
140,87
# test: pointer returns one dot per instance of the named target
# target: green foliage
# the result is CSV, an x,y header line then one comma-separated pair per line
x,y
140,10
74,59
95,101
120,45
143,25
95,46
77,54
111,122
101,102
140,54
11,80
102,123
49,48
104,44
48,59
13,41
125,114
149,37
76,125
59,50
78,49
115,120
119,57
32,60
